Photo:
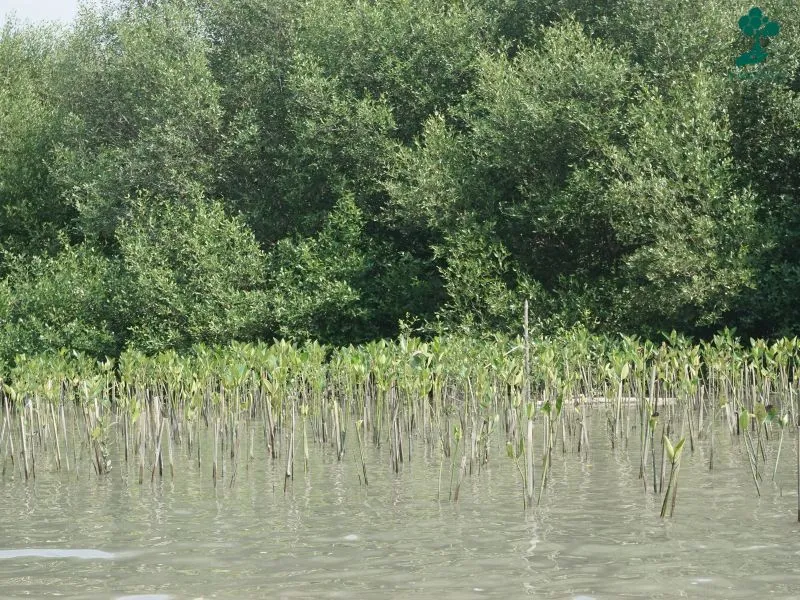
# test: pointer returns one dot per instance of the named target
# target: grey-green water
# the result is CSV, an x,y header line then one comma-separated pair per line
x,y
597,534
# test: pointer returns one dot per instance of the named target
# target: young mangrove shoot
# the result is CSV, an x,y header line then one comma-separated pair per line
x,y
674,456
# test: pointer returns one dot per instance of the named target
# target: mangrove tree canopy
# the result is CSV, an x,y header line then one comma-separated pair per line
x,y
177,172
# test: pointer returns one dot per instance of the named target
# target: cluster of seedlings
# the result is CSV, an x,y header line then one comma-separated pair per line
x,y
465,401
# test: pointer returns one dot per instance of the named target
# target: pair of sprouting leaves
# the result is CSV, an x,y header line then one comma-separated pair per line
x,y
756,25
673,452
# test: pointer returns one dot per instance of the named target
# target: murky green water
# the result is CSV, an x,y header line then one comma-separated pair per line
x,y
597,534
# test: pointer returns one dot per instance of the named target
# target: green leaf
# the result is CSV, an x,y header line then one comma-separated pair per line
x,y
744,420
668,447
678,448
624,372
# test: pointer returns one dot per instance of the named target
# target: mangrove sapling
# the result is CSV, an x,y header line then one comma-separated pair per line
x,y
529,408
33,434
583,442
473,444
216,451
359,426
744,422
304,415
197,443
5,453
87,431
169,456
688,414
441,469
157,462
529,456
713,417
290,452
396,435
337,431
485,437
272,390
457,435
760,414
618,374
3,441
674,454
8,396
649,427
772,415
514,453
24,443
664,433
142,442
550,419
234,456
700,420
34,429
461,473
234,436
41,427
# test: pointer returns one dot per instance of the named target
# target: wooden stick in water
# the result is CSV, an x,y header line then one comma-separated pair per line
x,y
216,451
157,462
64,431
24,443
10,432
290,453
55,435
169,453
142,440
529,433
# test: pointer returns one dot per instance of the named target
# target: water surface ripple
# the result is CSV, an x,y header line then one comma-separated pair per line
x,y
596,535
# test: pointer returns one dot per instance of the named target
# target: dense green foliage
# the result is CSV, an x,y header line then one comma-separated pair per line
x,y
186,171
459,397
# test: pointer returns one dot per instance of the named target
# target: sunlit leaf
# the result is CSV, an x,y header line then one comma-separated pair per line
x,y
668,447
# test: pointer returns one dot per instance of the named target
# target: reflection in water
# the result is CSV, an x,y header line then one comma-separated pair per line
x,y
595,536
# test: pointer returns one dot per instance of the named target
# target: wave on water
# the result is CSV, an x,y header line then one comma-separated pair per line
x,y
83,553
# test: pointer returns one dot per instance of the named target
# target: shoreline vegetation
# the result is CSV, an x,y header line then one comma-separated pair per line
x,y
465,399
184,172
181,180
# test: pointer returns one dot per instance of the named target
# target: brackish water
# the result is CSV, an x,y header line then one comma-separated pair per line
x,y
596,535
